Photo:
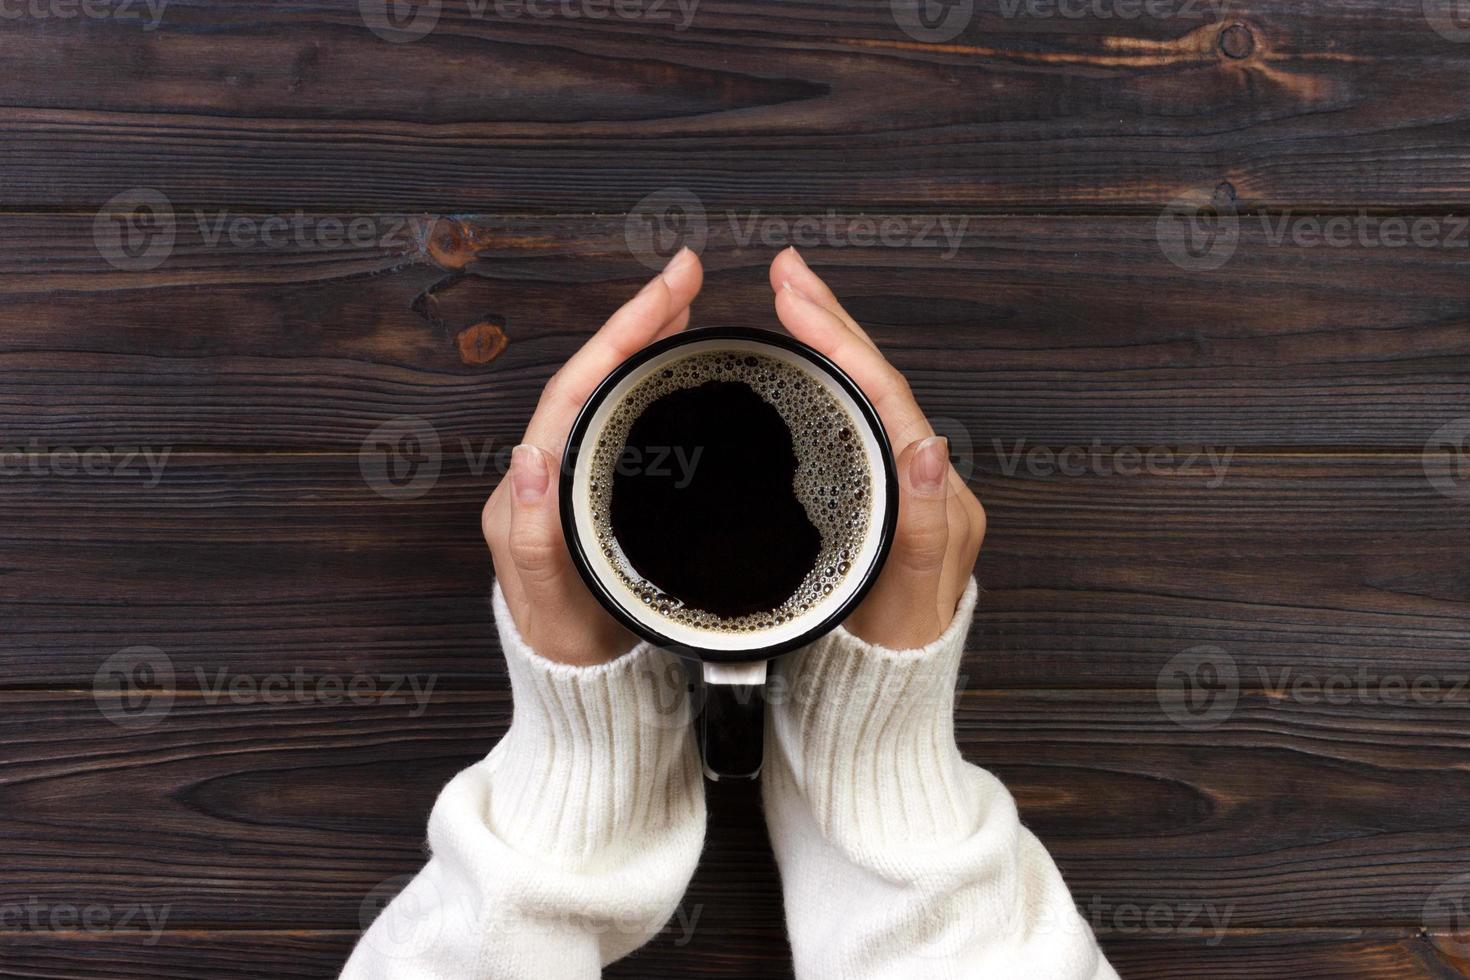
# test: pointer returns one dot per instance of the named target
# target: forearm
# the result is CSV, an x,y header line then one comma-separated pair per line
x,y
899,859
568,846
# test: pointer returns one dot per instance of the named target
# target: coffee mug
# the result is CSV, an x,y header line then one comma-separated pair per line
x,y
729,494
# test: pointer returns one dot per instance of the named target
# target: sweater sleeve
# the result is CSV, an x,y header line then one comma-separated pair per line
x,y
569,845
898,859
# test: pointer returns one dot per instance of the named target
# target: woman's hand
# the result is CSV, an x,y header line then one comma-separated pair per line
x,y
940,522
548,600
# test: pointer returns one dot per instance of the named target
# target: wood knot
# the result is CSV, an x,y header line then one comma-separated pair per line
x,y
1237,41
448,244
481,343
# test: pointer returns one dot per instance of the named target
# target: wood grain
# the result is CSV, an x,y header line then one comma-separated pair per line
x,y
250,566
1241,823
1052,331
287,816
229,955
752,104
1332,954
1348,954
510,179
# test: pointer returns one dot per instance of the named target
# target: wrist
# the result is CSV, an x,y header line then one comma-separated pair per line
x,y
895,618
580,633
897,626
596,756
865,734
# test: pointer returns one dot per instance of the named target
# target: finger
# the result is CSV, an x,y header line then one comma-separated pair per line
x,y
536,548
633,326
790,267
901,612
495,525
966,516
818,326
550,606
495,517
921,540
678,323
636,321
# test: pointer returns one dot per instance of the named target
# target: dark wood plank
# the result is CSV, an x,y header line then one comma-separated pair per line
x,y
1286,810
231,955
250,565
286,817
1347,954
1293,567
1307,831
1052,331
1307,105
241,567
1328,954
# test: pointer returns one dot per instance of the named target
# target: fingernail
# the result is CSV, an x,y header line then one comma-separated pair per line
x,y
931,461
799,258
528,474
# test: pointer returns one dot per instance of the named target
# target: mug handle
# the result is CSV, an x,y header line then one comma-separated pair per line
x,y
732,725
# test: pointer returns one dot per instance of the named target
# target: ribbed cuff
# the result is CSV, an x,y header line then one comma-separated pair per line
x,y
866,735
595,757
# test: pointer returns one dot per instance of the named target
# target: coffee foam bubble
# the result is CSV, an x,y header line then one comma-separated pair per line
x,y
833,482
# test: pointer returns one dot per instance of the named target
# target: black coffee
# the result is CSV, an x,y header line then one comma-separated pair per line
x,y
730,491
704,505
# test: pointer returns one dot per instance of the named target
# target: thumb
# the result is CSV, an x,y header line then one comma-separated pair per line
x,y
536,545
557,616
903,610
922,537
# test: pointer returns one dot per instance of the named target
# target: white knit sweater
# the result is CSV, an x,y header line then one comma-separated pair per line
x,y
571,844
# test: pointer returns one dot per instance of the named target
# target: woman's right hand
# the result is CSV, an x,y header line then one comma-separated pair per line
x,y
941,524
550,604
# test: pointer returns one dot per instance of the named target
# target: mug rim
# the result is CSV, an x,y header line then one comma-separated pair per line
x,y
601,591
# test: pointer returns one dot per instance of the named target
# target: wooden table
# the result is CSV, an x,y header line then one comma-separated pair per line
x,y
1144,283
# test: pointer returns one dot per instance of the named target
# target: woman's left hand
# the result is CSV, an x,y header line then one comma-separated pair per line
x,y
940,522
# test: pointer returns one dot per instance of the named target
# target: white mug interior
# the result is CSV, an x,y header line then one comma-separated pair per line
x,y
868,553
